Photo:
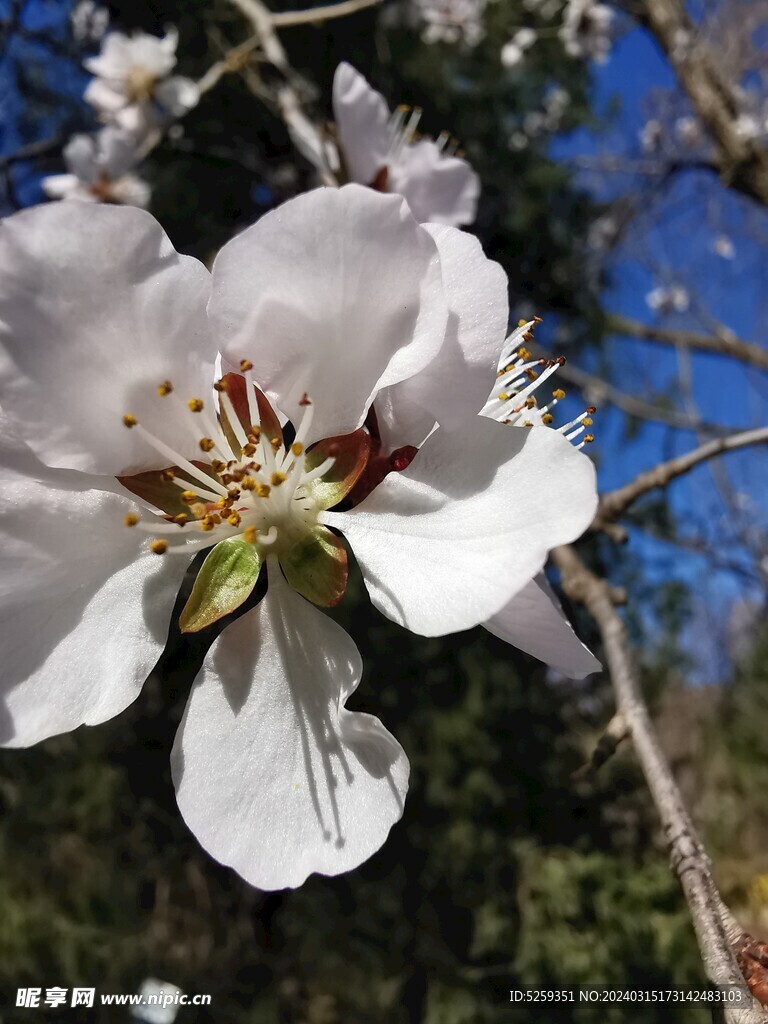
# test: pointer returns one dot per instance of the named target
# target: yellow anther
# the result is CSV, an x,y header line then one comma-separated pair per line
x,y
195,405
159,546
218,466
249,450
522,322
547,418
250,533
168,474
527,423
234,519
220,385
129,421
297,447
165,388
245,365
131,519
587,421
275,442
206,444
254,435
181,519
206,525
530,403
531,374
503,396
263,490
277,478
558,393
188,497
589,438
248,484
523,353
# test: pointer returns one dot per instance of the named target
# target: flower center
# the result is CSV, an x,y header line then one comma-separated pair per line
x,y
248,484
140,83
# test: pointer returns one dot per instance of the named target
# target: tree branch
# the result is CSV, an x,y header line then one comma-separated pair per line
x,y
719,936
314,15
724,345
616,502
743,161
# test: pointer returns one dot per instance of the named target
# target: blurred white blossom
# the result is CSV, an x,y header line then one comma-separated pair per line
x,y
133,86
673,298
89,21
513,52
586,30
99,170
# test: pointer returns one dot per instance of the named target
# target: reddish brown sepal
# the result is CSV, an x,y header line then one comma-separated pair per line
x,y
381,180
164,494
235,385
351,452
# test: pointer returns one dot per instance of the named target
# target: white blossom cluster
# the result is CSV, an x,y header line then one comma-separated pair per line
x,y
447,21
134,95
671,298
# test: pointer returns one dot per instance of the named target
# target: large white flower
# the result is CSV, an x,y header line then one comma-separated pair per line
x,y
133,86
382,150
99,170
107,383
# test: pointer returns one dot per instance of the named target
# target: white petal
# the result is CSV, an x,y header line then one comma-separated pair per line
x,y
362,124
96,310
106,97
458,382
273,775
177,95
131,191
534,621
446,543
118,151
80,156
84,611
336,293
60,186
442,189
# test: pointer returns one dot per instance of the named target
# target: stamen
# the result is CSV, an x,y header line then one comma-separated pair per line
x,y
159,547
195,405
131,519
178,460
318,471
235,424
165,388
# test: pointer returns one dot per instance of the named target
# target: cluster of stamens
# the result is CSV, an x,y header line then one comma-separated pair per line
x,y
403,131
250,484
519,376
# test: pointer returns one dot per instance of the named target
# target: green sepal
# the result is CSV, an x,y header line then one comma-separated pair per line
x,y
316,567
351,452
226,579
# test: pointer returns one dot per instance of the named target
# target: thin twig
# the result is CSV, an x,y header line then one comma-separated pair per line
x,y
614,503
716,930
314,15
724,345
